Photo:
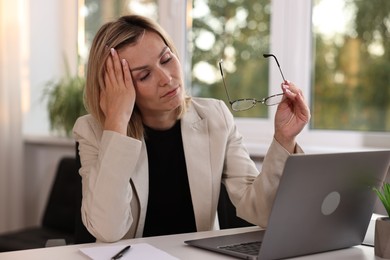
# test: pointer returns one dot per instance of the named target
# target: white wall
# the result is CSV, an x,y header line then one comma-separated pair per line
x,y
52,37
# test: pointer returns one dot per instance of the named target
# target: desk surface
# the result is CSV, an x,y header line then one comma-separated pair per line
x,y
175,246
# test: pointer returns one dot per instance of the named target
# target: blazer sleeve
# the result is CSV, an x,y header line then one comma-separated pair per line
x,y
108,160
251,192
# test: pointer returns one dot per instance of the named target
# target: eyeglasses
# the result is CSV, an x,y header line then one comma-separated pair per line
x,y
248,103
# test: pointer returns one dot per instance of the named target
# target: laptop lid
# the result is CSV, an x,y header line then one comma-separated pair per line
x,y
324,202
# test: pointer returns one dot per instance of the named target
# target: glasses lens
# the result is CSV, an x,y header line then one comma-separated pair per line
x,y
273,100
243,104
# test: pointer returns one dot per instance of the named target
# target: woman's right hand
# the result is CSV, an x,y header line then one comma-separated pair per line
x,y
292,115
117,98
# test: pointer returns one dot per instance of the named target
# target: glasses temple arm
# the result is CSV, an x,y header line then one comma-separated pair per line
x,y
277,62
223,80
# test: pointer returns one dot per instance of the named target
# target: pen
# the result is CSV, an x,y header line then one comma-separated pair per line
x,y
121,253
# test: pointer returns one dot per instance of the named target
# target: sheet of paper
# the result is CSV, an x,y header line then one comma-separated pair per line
x,y
137,251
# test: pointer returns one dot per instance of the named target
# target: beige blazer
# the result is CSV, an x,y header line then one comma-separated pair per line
x,y
114,207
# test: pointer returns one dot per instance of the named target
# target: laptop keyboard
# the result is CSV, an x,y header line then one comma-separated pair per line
x,y
251,248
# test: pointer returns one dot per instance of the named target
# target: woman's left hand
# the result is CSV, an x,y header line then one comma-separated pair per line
x,y
291,116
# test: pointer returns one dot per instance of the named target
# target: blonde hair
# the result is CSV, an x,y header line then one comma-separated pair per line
x,y
122,32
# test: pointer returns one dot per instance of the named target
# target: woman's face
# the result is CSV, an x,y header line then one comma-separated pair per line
x,y
156,74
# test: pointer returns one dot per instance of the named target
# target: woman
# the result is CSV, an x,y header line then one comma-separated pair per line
x,y
153,158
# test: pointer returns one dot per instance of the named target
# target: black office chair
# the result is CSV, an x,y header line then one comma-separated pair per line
x,y
58,222
227,212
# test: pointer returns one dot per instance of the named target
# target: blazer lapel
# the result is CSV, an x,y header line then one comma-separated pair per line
x,y
140,181
197,153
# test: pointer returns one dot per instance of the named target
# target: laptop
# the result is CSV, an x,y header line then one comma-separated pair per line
x,y
324,202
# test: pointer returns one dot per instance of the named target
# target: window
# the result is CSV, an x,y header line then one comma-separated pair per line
x,y
351,89
339,121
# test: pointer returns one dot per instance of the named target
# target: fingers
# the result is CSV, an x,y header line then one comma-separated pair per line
x,y
291,90
126,74
114,69
118,95
296,97
117,71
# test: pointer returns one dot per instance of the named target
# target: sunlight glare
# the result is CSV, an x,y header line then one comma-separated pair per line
x,y
205,72
331,18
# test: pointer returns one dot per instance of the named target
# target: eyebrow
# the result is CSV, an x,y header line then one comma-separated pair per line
x,y
145,66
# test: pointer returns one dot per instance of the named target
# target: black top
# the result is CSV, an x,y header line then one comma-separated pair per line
x,y
170,209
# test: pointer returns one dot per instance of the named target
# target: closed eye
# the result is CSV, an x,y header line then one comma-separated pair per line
x,y
166,58
145,75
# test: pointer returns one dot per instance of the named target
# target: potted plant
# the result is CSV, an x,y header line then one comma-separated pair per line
x,y
382,224
65,101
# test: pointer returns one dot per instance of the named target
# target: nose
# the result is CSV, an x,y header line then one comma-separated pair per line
x,y
164,76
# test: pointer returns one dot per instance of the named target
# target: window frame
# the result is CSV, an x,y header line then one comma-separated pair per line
x,y
291,41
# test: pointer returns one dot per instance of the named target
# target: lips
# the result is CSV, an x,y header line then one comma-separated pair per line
x,y
171,93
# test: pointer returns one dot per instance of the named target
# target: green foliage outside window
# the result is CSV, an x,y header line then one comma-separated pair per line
x,y
238,32
351,89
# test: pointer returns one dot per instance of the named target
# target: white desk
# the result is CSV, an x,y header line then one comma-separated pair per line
x,y
175,246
